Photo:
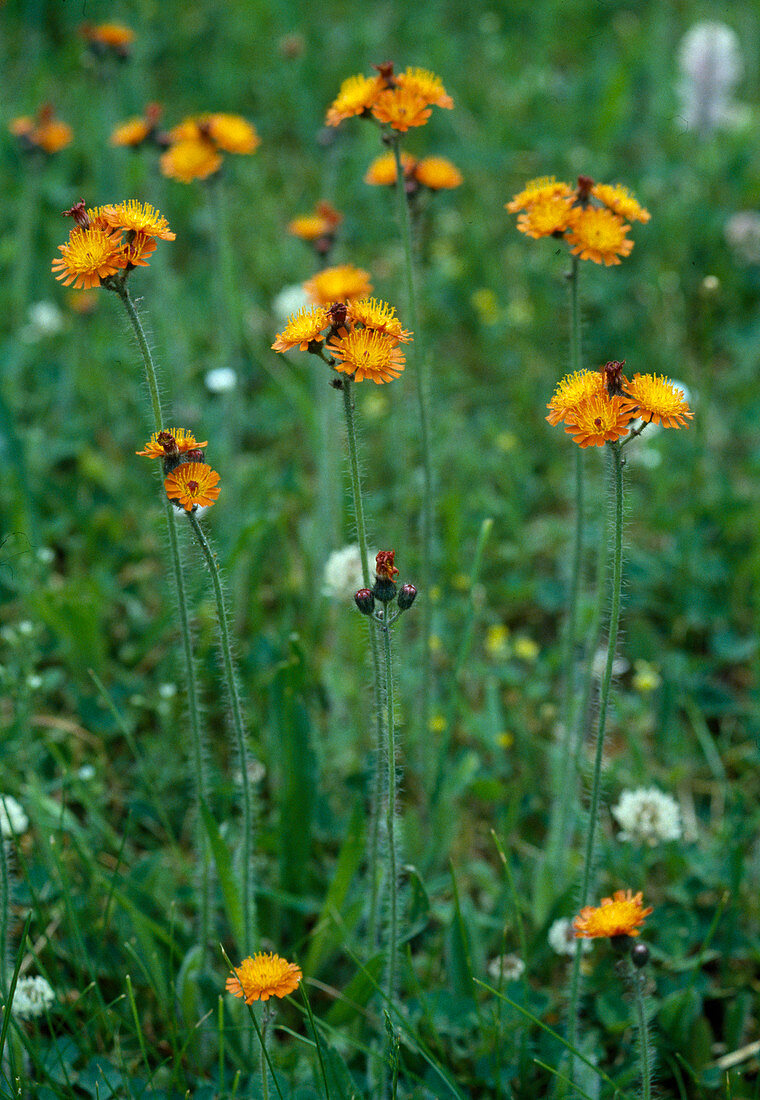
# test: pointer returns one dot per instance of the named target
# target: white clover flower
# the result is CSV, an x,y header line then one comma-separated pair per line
x,y
508,967
13,820
86,773
562,939
167,690
648,815
32,998
343,573
220,380
43,319
599,664
289,301
711,63
742,232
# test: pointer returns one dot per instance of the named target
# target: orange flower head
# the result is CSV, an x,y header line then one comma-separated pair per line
x,y
378,316
438,174
137,217
262,976
426,85
599,419
356,95
657,400
620,201
109,36
546,217
231,133
338,284
131,133
571,391
621,915
45,132
193,484
303,328
89,256
363,353
599,235
401,108
382,170
136,251
191,159
538,190
171,442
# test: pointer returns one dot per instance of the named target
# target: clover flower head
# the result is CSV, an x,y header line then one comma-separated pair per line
x,y
343,574
562,939
648,815
32,998
13,820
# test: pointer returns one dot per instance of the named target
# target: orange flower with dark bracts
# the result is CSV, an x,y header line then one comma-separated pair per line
x,y
109,36
137,217
323,222
192,484
426,85
399,101
379,316
97,247
171,442
384,567
356,95
658,401
382,170
437,174
599,235
45,132
598,420
136,131
262,976
571,391
88,257
620,201
338,284
363,353
401,109
191,159
303,328
230,133
621,915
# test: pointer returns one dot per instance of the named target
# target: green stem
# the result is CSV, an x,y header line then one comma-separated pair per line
x,y
361,533
638,979
417,363
237,722
390,815
199,764
5,912
593,815
264,1077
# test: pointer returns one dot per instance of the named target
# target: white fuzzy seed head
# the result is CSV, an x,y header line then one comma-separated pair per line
x,y
648,815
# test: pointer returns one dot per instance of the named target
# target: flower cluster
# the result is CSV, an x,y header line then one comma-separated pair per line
x,y
362,337
385,590
262,976
197,143
621,915
44,132
597,407
434,173
107,240
32,998
592,218
140,130
108,39
189,482
648,815
399,101
318,228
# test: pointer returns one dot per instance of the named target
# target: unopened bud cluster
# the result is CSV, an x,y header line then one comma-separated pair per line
x,y
385,591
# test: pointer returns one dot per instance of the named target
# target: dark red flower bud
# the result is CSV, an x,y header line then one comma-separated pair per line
x,y
365,601
585,183
195,455
385,571
406,596
79,213
613,376
337,313
639,955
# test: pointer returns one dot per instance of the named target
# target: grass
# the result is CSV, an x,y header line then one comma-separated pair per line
x,y
92,714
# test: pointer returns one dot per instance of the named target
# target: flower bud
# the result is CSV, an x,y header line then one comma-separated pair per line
x,y
385,586
639,955
195,455
406,597
365,601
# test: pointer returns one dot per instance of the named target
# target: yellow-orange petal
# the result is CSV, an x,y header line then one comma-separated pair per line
x,y
437,173
89,256
262,976
599,419
621,915
401,108
338,284
303,328
657,400
193,484
190,159
363,353
619,199
599,235
356,95
382,170
171,441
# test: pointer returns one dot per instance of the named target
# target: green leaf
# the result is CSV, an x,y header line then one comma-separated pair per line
x,y
328,936
233,905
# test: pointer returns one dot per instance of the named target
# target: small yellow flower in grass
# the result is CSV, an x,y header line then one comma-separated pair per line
x,y
89,256
364,353
171,441
571,391
437,174
379,316
657,400
437,723
401,108
191,159
426,85
525,648
539,190
646,678
621,915
599,235
192,484
303,328
355,96
338,284
262,976
137,217
231,133
497,639
620,200
382,170
598,420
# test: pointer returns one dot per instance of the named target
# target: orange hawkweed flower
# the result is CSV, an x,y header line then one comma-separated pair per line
x,y
171,441
599,419
538,190
437,174
621,915
192,484
382,170
190,159
338,284
401,108
571,391
89,256
426,85
547,216
322,223
109,36
262,976
658,401
303,328
367,354
599,235
137,217
131,133
620,201
230,133
379,316
356,95
45,132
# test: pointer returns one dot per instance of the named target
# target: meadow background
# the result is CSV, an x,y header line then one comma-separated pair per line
x,y
91,710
